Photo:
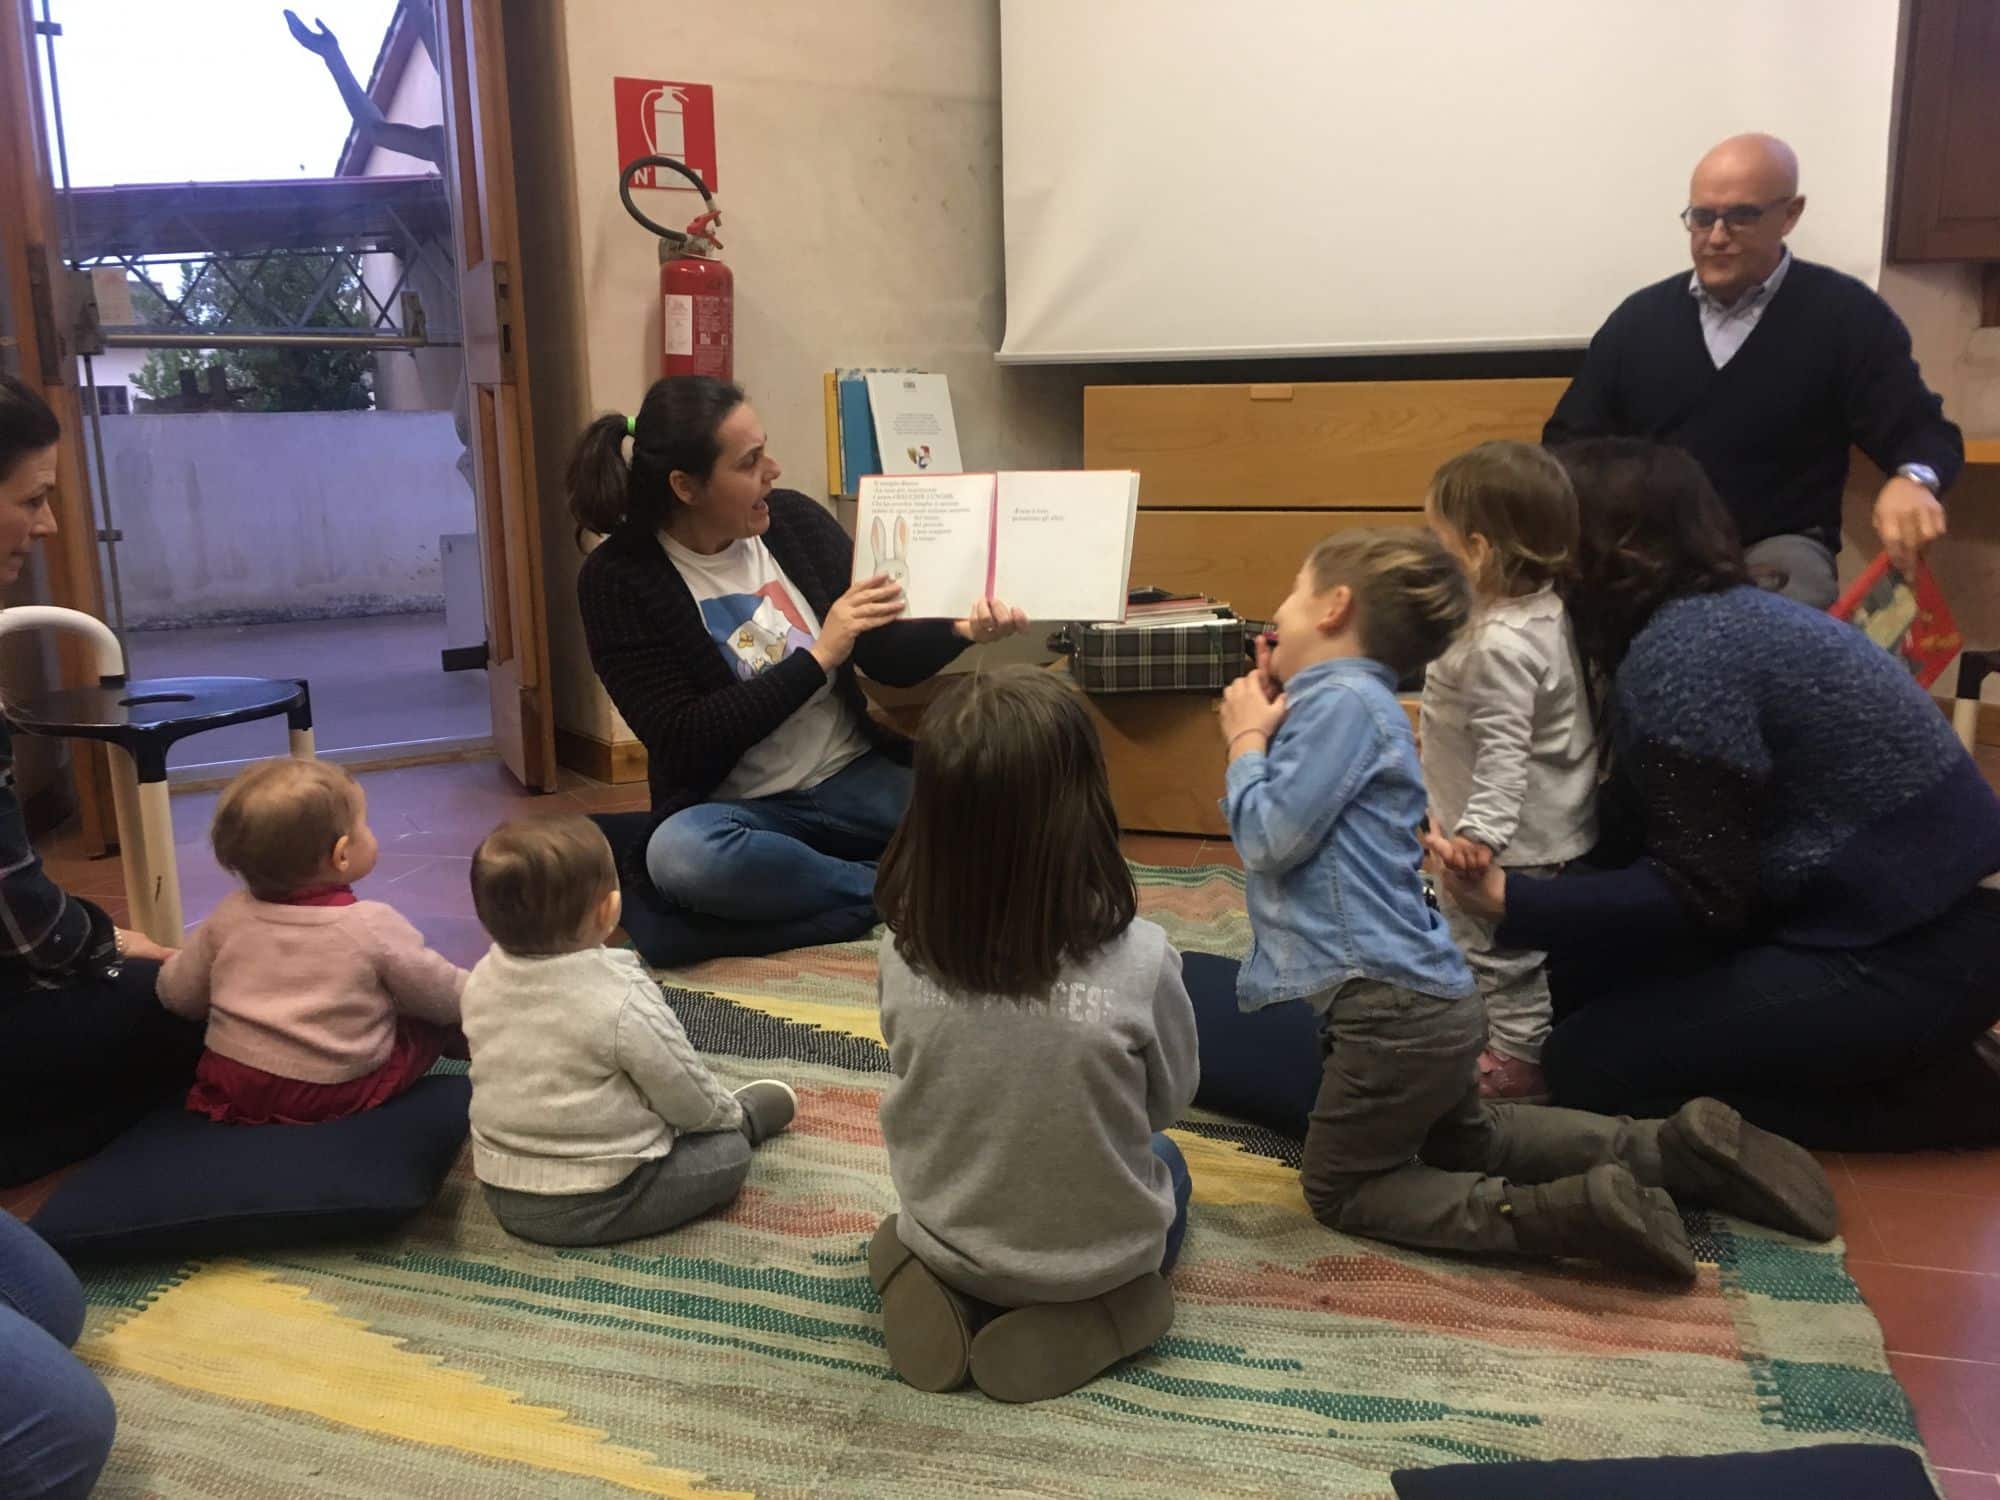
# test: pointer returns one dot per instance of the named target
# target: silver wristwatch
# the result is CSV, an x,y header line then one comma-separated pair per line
x,y
1923,474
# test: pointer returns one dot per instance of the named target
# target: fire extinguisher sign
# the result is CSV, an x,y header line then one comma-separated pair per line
x,y
657,117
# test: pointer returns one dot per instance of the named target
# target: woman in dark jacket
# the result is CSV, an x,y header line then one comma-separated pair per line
x,y
85,1048
720,618
1792,907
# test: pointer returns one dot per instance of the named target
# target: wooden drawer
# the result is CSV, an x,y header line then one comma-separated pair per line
x,y
1164,757
1248,558
1367,444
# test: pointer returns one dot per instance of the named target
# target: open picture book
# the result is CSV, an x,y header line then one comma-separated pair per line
x,y
1055,544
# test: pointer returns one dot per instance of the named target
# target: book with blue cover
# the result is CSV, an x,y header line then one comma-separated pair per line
x,y
859,454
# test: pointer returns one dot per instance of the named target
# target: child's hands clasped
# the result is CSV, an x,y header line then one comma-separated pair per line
x,y
1482,891
1464,856
1252,706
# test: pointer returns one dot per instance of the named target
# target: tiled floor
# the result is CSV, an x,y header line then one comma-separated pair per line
x,y
1923,1232
428,819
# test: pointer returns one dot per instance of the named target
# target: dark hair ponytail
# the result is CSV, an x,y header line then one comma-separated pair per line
x,y
26,425
674,431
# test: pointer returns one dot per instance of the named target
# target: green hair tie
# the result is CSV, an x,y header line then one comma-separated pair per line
x,y
631,427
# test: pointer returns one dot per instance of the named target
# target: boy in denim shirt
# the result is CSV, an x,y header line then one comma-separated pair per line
x,y
1325,798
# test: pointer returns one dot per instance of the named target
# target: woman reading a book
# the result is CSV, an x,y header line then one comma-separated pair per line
x,y
1792,906
720,619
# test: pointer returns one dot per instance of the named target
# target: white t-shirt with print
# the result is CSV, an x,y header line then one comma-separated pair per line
x,y
756,619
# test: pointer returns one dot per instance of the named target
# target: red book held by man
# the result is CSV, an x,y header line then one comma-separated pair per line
x,y
1904,616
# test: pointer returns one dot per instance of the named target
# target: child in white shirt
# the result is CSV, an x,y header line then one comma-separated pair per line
x,y
593,1118
1509,753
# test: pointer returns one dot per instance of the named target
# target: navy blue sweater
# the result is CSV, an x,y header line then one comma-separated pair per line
x,y
693,715
1826,369
1776,777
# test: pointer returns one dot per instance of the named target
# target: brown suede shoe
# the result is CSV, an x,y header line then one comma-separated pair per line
x,y
1603,1215
1033,1353
1711,1156
926,1326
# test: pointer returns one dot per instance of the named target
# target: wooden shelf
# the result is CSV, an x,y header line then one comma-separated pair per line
x,y
1982,450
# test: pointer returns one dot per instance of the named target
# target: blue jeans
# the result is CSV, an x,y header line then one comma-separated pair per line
x,y
1841,1049
56,1420
1169,1153
786,861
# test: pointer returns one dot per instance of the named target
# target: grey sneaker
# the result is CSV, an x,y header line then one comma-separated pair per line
x,y
768,1107
1606,1216
1039,1352
1711,1155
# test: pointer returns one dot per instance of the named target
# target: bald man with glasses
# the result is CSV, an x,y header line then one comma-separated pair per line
x,y
1768,369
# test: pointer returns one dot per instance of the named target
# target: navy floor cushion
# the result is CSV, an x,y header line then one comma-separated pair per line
x,y
179,1184
669,937
1834,1471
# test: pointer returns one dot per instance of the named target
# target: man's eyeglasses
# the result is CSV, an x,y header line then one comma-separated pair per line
x,y
1740,216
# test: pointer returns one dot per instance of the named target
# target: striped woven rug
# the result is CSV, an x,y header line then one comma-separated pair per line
x,y
742,1355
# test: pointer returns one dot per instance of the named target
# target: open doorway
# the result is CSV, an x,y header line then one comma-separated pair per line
x,y
275,394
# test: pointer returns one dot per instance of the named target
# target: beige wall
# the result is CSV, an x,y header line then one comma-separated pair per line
x,y
859,157
858,153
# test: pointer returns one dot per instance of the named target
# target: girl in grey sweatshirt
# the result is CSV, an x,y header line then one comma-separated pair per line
x,y
1041,1039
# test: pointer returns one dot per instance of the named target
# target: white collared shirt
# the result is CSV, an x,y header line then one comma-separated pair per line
x,y
1724,329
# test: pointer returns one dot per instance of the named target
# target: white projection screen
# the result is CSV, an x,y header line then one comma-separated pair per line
x,y
1188,179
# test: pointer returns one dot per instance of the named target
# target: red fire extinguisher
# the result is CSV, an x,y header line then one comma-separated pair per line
x,y
697,291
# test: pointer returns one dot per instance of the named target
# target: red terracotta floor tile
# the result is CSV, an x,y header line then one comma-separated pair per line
x,y
1161,849
598,796
460,939
1974,1174
1857,1224
203,885
391,866
193,811
1941,1230
439,885
445,809
86,877
1945,1314
1958,1409
1960,1485
421,814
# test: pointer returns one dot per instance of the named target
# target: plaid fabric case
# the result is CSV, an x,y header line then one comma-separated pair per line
x,y
1201,658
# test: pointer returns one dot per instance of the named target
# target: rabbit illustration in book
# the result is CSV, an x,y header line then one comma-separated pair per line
x,y
892,565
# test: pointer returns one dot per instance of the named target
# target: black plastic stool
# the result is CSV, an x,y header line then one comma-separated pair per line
x,y
141,720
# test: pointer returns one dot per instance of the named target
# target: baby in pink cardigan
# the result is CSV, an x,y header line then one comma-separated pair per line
x,y
318,1005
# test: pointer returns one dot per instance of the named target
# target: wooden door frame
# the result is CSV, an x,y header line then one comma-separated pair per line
x,y
35,289
473,77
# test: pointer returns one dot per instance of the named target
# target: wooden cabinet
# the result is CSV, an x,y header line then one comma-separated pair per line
x,y
1947,169
1236,482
